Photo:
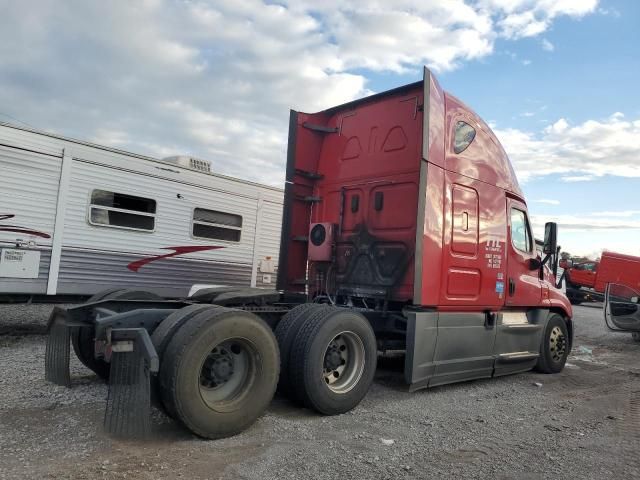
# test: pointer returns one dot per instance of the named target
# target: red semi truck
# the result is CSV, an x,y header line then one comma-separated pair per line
x,y
589,280
404,229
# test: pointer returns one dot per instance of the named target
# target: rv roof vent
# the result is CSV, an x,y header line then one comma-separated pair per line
x,y
190,162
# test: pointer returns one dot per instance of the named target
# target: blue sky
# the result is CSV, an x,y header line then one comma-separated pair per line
x,y
579,69
215,79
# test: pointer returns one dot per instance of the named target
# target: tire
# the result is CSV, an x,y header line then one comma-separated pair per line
x,y
316,355
82,339
285,333
187,385
635,336
554,347
161,337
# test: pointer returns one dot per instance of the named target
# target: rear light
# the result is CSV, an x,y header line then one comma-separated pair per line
x,y
321,237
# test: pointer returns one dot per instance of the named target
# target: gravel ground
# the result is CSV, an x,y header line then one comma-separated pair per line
x,y
583,423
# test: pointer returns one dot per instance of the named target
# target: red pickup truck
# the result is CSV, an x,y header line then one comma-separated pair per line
x,y
589,280
612,268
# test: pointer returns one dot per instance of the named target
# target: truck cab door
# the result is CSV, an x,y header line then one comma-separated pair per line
x,y
519,330
523,286
622,308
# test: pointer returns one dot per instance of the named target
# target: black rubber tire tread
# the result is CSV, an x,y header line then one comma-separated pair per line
x,y
161,337
205,330
96,297
82,338
308,347
545,362
285,333
635,336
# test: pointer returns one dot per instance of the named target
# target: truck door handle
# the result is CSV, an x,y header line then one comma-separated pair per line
x,y
512,287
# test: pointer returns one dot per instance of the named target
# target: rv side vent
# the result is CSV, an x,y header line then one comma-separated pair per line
x,y
190,162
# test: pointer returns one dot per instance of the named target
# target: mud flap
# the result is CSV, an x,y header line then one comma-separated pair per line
x,y
56,362
133,358
422,333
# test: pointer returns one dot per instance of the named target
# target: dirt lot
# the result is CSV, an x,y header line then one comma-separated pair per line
x,y
583,423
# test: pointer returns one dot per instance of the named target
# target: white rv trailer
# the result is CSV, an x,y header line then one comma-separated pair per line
x,y
77,218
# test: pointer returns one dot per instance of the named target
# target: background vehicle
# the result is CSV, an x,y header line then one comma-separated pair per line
x,y
588,280
404,228
77,218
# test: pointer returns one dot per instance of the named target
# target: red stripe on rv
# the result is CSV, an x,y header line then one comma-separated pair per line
x,y
18,229
135,266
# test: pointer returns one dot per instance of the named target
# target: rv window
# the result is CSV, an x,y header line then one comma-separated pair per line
x,y
520,236
463,137
217,225
110,209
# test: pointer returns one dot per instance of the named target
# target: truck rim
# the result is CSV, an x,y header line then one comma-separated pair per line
x,y
343,362
557,344
227,373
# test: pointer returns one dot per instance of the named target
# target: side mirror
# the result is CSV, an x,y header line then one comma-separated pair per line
x,y
550,238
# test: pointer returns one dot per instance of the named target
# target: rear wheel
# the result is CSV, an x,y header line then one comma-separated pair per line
x,y
333,360
554,348
219,372
162,335
83,338
285,333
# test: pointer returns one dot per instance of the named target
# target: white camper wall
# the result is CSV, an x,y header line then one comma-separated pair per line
x,y
268,244
28,200
96,257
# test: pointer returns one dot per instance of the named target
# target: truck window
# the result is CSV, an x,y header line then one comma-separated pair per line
x,y
463,136
520,233
119,210
216,225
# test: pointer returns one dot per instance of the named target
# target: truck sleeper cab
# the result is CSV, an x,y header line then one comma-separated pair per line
x,y
404,228
406,206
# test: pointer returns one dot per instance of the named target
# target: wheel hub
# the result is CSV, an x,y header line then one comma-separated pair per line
x,y
343,362
218,368
557,344
333,359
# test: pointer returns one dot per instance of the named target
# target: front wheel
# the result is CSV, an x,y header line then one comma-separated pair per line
x,y
554,348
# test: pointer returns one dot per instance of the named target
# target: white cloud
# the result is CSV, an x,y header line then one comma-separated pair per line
x,y
548,201
215,79
580,152
577,178
619,214
588,234
547,45
587,222
526,18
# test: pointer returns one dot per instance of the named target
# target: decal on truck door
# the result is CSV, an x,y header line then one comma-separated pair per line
x,y
138,264
18,229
